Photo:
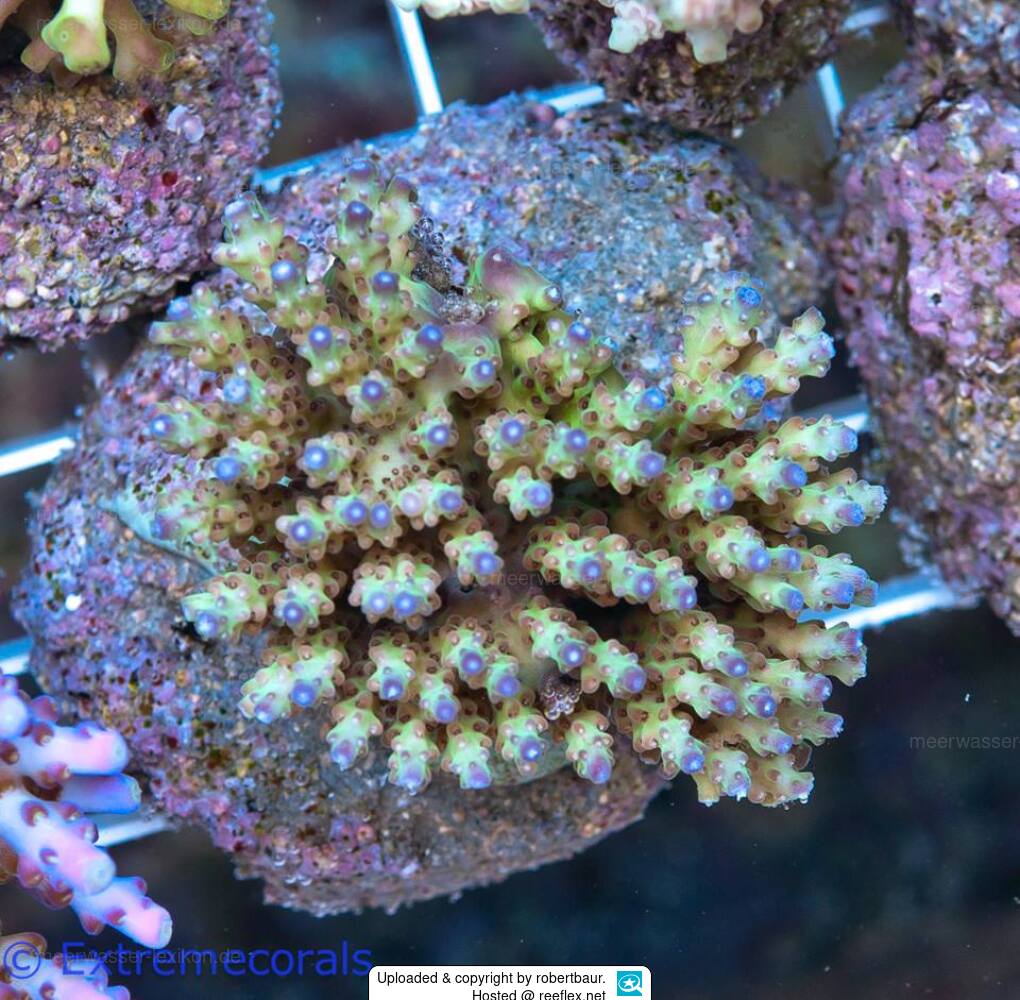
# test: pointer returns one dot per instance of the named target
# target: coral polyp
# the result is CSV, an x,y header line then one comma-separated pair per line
x,y
421,499
75,39
51,776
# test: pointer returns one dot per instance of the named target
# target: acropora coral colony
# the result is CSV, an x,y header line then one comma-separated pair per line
x,y
51,777
708,24
74,40
421,500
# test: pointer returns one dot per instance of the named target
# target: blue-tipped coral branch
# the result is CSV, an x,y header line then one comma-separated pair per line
x,y
416,495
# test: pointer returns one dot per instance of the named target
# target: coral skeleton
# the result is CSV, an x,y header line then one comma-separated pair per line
x,y
51,777
708,24
426,502
74,41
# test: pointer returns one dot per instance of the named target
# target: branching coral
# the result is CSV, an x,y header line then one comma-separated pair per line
x,y
75,39
26,974
50,777
708,24
371,480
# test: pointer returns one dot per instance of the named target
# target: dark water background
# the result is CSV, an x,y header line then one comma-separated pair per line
x,y
901,878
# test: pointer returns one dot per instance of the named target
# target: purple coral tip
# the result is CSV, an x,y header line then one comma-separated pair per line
x,y
851,514
484,370
574,654
283,271
355,512
320,337
651,465
344,754
692,762
819,688
531,749
852,641
303,694
392,689
405,604
579,332
539,495
653,399
781,742
446,711
792,599
591,570
757,560
753,386
438,435
358,213
293,613
450,501
302,531
378,603
316,457
208,625
161,426
794,476
848,439
512,432
179,310
471,663
789,560
430,337
733,665
372,390
577,440
599,770
842,593
748,296
646,585
763,704
486,563
634,680
385,283
508,686
476,777
721,498
724,702
227,469
380,515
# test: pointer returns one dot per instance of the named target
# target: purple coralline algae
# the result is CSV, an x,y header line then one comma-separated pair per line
x,y
929,284
51,777
110,195
426,744
965,39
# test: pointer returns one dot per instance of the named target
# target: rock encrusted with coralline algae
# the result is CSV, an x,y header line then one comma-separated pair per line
x,y
929,284
966,39
482,729
110,194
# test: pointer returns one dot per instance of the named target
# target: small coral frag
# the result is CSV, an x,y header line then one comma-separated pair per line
x,y
51,776
424,499
75,39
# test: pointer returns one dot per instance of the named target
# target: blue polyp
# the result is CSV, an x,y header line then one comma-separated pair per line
x,y
405,604
302,531
851,514
344,754
372,390
721,498
358,213
577,440
179,310
686,598
236,390
591,570
531,749
471,663
842,593
303,694
446,711
821,688
430,337
476,777
764,705
780,742
512,431
293,613
411,778
320,337
757,560
385,283
439,435
772,410
508,686
651,465
599,770
733,665
227,469
355,512
852,641
539,495
161,426
753,386
789,560
652,399
392,689
723,701
208,625
748,296
485,563
484,370
645,585
792,599
573,654
378,603
579,332
450,501
848,440
264,712
380,515
283,271
634,680
316,457
794,476
692,762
